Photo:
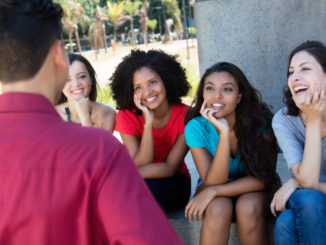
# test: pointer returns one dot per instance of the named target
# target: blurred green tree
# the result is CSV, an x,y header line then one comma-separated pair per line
x,y
151,24
116,13
131,9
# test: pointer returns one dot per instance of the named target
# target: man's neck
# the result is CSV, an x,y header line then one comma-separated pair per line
x,y
29,86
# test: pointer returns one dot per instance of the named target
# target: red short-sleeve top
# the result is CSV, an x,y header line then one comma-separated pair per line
x,y
128,122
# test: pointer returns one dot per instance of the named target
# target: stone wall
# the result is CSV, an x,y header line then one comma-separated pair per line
x,y
257,36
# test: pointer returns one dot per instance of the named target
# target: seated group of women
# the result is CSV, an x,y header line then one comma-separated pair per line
x,y
232,135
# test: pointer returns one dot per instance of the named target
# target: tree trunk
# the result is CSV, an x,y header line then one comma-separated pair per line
x,y
104,37
115,35
132,31
77,40
70,40
144,30
146,35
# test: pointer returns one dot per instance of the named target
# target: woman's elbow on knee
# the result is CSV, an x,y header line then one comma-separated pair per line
x,y
309,184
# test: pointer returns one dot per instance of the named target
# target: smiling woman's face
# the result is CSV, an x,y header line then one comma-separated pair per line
x,y
221,93
304,73
149,88
78,84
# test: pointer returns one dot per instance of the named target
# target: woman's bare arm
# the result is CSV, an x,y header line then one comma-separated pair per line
x,y
172,163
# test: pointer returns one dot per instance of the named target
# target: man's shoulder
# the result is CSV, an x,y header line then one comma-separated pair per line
x,y
88,135
85,143
70,129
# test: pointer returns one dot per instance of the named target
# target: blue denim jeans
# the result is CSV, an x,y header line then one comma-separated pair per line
x,y
304,221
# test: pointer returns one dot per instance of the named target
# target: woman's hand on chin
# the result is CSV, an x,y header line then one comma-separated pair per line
x,y
314,103
220,124
148,114
83,108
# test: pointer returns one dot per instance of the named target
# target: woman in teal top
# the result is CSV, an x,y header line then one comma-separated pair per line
x,y
234,149
201,133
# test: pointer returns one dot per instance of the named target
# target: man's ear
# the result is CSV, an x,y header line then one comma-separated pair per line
x,y
59,55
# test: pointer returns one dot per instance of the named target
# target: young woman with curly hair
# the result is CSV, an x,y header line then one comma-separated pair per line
x,y
148,87
300,129
78,100
233,146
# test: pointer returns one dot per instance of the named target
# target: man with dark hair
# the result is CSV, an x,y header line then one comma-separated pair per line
x,y
60,183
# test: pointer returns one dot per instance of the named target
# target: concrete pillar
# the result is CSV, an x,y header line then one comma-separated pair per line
x,y
257,36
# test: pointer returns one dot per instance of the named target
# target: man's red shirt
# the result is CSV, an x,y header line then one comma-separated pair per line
x,y
61,183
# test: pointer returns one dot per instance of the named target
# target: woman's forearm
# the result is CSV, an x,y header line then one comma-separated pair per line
x,y
170,166
144,154
307,172
218,170
322,187
238,187
86,121
156,170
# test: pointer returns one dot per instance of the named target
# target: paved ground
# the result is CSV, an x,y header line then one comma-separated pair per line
x,y
105,63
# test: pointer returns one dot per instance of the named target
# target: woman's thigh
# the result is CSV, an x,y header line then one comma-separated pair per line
x,y
284,231
309,208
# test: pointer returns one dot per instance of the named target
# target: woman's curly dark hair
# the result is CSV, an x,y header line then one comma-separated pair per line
x,y
92,74
166,66
318,51
253,118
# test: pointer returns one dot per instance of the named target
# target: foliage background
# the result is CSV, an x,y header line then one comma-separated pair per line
x,y
172,8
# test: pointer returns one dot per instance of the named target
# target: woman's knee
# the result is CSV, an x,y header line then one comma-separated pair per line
x,y
308,201
219,211
250,207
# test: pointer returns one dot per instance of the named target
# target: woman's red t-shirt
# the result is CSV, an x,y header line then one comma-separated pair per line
x,y
127,122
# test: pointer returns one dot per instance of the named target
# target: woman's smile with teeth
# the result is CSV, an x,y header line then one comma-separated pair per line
x,y
299,89
217,105
77,91
151,99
